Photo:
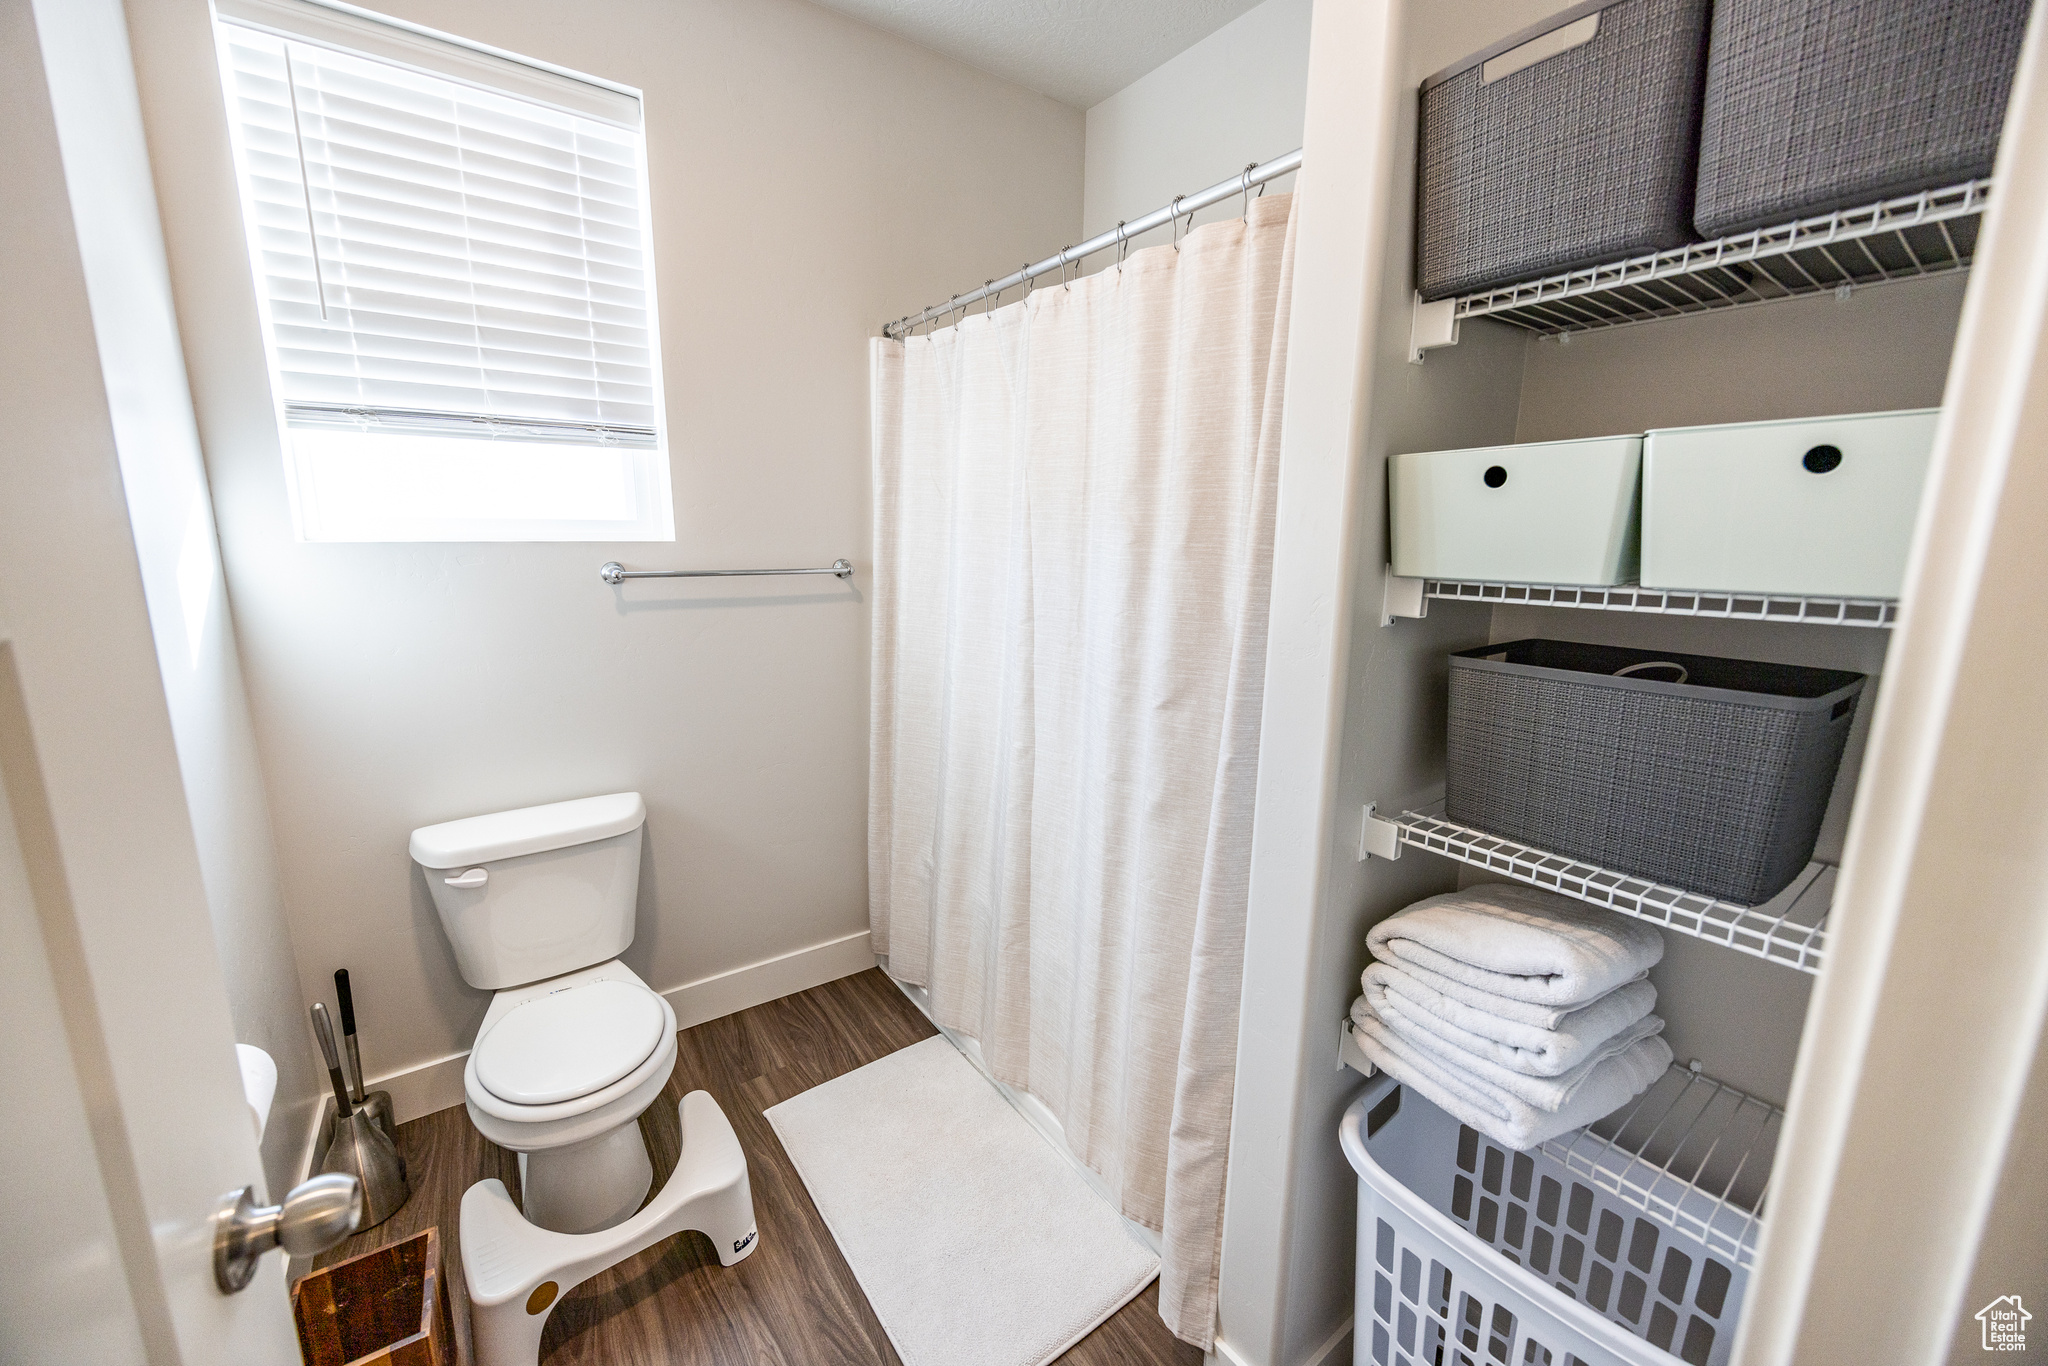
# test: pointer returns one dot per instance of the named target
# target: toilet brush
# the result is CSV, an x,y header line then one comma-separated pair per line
x,y
359,1148
376,1103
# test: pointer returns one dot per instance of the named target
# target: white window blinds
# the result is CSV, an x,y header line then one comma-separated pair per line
x,y
434,257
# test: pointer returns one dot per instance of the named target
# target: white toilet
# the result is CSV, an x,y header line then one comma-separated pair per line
x,y
538,904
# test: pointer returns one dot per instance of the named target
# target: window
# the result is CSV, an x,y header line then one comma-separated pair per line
x,y
450,251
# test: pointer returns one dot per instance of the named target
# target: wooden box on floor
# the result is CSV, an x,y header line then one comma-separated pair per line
x,y
388,1307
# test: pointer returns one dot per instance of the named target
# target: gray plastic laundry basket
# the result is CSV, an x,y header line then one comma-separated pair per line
x,y
1474,1255
1816,105
1583,156
1716,784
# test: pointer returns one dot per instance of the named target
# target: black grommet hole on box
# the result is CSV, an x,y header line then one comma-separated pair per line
x,y
1496,475
1821,459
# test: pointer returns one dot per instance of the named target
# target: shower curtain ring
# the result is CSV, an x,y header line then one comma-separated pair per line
x,y
1246,180
1174,210
1029,281
1063,270
1121,246
990,305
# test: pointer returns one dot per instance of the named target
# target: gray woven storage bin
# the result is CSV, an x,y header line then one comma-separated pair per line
x,y
1716,785
1814,105
1585,156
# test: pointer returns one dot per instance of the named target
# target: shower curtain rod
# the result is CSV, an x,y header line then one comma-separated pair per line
x,y
1241,183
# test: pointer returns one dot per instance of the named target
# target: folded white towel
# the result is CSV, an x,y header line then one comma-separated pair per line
x,y
1493,1007
1543,1092
1519,942
1502,1116
1407,1002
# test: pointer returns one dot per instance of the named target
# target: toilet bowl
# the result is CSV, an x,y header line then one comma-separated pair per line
x,y
538,904
559,1073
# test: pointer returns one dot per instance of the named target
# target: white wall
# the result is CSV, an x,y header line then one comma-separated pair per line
x,y
1235,97
171,515
811,177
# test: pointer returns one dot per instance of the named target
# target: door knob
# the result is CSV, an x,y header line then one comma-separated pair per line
x,y
315,1216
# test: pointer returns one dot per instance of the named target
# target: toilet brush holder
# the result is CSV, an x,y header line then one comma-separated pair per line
x,y
359,1148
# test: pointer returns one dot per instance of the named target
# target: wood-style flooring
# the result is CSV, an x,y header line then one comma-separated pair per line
x,y
794,1302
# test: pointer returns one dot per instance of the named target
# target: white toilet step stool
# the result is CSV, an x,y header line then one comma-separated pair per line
x,y
517,1271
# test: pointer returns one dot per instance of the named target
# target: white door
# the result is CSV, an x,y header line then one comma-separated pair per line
x,y
116,1149
122,1120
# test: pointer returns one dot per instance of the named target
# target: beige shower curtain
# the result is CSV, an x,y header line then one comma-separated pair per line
x,y
1073,545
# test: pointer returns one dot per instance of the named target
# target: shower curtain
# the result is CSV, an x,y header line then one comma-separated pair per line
x,y
1074,504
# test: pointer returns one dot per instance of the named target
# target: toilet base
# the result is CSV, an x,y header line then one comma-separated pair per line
x,y
588,1186
517,1273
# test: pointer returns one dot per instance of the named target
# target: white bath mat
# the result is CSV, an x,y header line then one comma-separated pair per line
x,y
976,1243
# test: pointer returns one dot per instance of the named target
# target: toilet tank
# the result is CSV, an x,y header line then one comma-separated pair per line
x,y
537,892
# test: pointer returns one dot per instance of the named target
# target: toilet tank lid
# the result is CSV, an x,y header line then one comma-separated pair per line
x,y
529,830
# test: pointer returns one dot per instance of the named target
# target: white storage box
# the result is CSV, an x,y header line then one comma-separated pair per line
x,y
1559,512
1817,507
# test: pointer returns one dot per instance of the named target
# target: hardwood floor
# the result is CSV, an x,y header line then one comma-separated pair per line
x,y
794,1302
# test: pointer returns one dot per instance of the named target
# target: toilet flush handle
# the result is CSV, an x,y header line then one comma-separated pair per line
x,y
475,877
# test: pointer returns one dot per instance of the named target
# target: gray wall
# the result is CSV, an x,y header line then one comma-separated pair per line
x,y
810,178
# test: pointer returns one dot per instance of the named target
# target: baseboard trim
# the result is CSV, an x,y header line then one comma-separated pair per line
x,y
771,979
437,1085
1334,1351
424,1089
1222,1354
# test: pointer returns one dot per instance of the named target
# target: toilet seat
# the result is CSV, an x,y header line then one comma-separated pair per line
x,y
570,1043
531,1128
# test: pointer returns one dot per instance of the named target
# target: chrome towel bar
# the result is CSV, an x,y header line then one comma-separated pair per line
x,y
614,572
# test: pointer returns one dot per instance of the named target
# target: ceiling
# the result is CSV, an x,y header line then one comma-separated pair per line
x,y
1079,52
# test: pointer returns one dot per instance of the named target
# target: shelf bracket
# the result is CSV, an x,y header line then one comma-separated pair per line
x,y
1401,597
1349,1054
1431,326
1378,837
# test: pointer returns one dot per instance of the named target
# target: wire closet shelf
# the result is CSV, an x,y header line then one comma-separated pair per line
x,y
1790,929
1930,233
1692,1151
1628,597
